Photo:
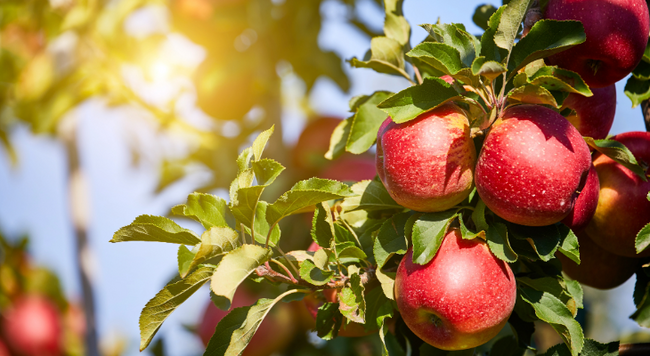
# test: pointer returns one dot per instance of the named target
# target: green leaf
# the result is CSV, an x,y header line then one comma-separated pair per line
x,y
234,267
244,159
487,68
184,257
550,309
304,194
619,153
266,171
416,100
349,250
532,94
322,228
574,288
260,142
591,348
155,228
546,37
328,321
207,209
642,71
339,139
352,303
542,241
510,22
262,226
637,90
642,300
428,232
499,244
454,35
244,203
466,233
395,25
556,287
235,331
390,240
554,78
366,122
214,242
643,239
167,300
378,308
386,57
482,14
371,195
507,346
569,244
489,48
478,216
440,56
314,275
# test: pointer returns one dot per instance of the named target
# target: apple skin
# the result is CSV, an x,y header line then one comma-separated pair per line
x,y
3,349
313,143
623,208
598,267
273,335
350,169
532,165
594,115
33,326
427,164
617,34
459,300
586,203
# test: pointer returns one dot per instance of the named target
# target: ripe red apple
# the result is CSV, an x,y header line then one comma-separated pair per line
x,y
313,143
4,351
617,34
594,115
273,335
532,165
586,203
350,169
427,164
32,326
623,208
598,267
460,299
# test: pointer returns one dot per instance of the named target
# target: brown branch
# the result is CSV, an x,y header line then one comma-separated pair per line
x,y
634,349
645,109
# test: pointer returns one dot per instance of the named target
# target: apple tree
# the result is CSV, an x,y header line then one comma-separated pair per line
x,y
486,204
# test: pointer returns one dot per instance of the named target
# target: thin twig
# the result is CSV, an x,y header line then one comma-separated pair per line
x,y
286,270
295,269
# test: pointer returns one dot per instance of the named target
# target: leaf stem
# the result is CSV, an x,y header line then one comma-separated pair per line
x,y
268,236
295,269
293,279
418,76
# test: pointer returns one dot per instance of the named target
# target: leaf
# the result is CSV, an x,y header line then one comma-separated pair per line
x,y
352,303
510,22
642,71
416,100
266,171
378,308
314,275
390,240
386,57
489,69
366,122
482,14
260,142
184,257
543,241
546,37
155,228
591,348
440,56
574,288
262,226
637,90
643,239
489,49
466,234
532,94
322,228
507,346
371,195
235,331
497,240
569,244
478,216
339,139
328,321
167,300
244,203
304,194
349,250
454,35
395,25
214,242
619,153
428,233
550,309
234,267
554,78
207,209
556,287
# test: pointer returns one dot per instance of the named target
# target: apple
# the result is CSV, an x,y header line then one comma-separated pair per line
x,y
623,208
314,141
460,299
427,164
592,116
32,326
350,169
598,267
3,349
273,335
617,34
586,203
532,165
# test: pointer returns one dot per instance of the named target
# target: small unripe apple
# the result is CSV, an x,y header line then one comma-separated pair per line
x,y
593,116
32,326
617,34
586,203
623,208
598,267
459,300
427,164
532,165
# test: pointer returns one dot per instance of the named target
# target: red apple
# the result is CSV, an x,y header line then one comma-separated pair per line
x,y
460,299
313,143
32,326
617,34
273,335
623,208
427,164
532,165
350,169
586,203
598,267
593,115
4,351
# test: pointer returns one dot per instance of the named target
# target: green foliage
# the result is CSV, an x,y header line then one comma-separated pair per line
x,y
155,228
428,233
619,153
414,101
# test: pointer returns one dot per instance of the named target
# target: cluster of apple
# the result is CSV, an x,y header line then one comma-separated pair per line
x,y
533,168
